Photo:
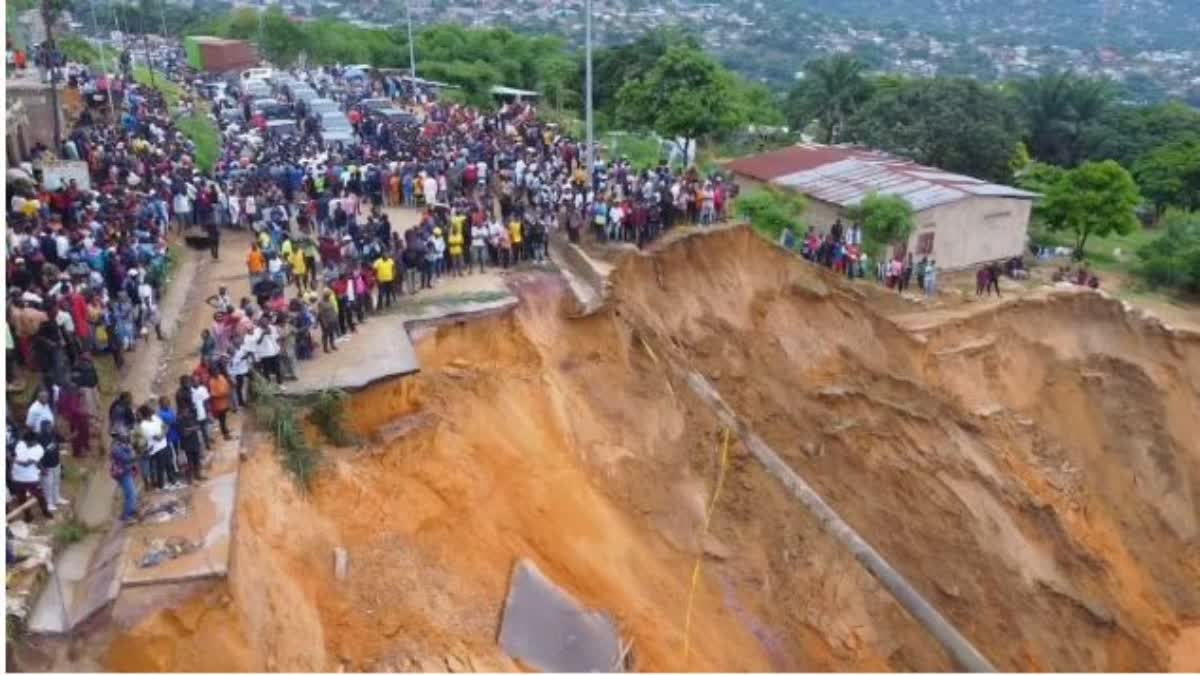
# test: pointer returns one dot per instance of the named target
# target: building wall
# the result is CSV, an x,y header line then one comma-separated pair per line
x,y
40,114
972,231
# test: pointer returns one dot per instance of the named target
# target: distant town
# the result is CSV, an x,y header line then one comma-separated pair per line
x,y
770,40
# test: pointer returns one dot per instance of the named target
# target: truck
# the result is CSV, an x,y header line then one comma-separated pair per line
x,y
219,55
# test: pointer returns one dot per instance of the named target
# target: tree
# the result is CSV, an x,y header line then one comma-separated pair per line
x,y
771,209
1059,111
1170,175
614,66
886,220
280,39
954,124
831,91
1173,260
1094,198
1039,177
685,95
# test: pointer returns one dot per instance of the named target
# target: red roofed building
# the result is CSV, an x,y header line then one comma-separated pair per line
x,y
960,221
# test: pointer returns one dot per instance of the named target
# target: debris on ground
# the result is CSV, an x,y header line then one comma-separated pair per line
x,y
161,550
171,507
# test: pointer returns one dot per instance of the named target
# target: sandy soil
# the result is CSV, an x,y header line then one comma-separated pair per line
x,y
1031,466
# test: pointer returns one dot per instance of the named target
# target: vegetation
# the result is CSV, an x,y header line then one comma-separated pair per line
x,y
1170,175
686,94
279,416
771,209
67,533
885,219
204,134
329,416
1173,259
832,90
1095,198
954,124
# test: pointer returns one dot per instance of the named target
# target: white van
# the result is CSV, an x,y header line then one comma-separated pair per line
x,y
257,74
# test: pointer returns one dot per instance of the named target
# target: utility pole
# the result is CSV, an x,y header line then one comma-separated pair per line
x,y
103,59
146,43
412,54
49,16
591,159
162,16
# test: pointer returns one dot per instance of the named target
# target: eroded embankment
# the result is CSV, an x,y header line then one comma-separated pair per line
x,y
1033,471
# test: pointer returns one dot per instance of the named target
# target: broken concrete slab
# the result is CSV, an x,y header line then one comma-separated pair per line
x,y
545,628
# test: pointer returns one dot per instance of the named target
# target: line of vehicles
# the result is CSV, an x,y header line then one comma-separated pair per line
x,y
279,103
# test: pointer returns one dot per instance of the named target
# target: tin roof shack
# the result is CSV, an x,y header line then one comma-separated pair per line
x,y
219,55
958,220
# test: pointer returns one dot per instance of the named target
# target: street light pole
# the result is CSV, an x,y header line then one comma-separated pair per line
x,y
412,54
591,159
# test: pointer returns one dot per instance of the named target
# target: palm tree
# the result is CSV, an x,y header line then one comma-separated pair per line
x,y
832,90
1059,108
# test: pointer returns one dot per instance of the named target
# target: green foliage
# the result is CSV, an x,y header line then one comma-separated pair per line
x,y
831,92
1095,198
771,209
76,49
1173,260
885,219
1039,177
67,533
643,151
613,66
203,132
954,124
278,416
1061,114
685,95
281,40
1129,133
328,414
1170,175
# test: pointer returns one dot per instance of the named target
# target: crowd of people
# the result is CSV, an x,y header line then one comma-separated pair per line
x,y
86,266
841,249
87,263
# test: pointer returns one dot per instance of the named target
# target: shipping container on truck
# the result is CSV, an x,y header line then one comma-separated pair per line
x,y
219,55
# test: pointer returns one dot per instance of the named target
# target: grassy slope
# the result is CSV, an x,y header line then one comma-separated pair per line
x,y
198,127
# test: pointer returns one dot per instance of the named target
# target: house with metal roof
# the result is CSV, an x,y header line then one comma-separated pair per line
x,y
959,221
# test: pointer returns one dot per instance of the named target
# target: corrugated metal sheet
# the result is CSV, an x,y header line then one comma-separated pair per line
x,y
848,181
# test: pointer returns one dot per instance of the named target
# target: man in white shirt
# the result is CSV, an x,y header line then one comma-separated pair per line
x,y
239,370
40,411
265,340
162,469
27,455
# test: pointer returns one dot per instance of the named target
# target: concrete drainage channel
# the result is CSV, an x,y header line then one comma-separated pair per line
x,y
964,654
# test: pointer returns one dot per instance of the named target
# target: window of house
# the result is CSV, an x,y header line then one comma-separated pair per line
x,y
925,244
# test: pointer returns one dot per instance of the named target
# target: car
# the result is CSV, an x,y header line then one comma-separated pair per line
x,y
320,106
394,115
233,114
346,138
256,88
335,120
257,74
305,94
281,127
376,103
272,109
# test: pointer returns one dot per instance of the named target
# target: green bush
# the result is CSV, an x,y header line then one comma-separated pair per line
x,y
278,415
771,209
1173,260
329,416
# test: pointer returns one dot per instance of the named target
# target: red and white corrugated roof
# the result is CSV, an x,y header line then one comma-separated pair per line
x,y
845,175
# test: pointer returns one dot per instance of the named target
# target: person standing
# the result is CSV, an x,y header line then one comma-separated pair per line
x,y
189,441
84,376
123,468
327,318
222,391
931,279
155,433
385,274
26,473
479,237
51,466
265,340
239,370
